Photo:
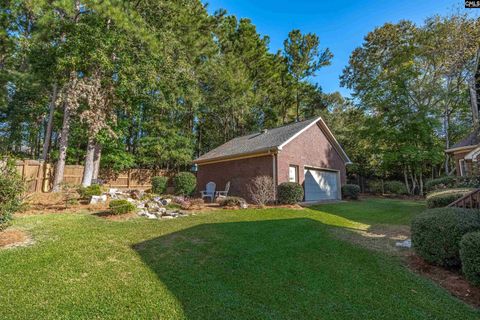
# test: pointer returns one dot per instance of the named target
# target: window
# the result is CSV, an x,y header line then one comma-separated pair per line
x,y
293,173
463,167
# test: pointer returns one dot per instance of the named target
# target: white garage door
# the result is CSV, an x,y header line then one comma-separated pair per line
x,y
320,185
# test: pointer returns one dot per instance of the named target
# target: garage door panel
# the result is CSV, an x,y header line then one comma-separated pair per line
x,y
320,185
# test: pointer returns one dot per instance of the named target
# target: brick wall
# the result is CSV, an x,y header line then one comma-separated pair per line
x,y
311,148
238,172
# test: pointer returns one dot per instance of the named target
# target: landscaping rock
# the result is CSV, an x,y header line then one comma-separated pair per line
x,y
404,244
98,199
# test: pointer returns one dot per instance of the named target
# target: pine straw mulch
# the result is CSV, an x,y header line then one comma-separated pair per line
x,y
12,238
41,203
451,280
382,238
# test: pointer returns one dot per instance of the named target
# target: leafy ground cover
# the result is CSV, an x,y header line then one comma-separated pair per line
x,y
239,264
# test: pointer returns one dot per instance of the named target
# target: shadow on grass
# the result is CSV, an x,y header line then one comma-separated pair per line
x,y
279,269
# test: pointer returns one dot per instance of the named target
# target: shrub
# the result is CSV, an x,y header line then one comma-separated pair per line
x,y
440,183
88,192
118,207
436,233
290,193
261,190
392,187
350,191
12,188
452,182
184,183
470,257
443,198
395,187
159,184
375,186
232,202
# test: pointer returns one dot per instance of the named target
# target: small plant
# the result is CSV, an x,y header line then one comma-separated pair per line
x,y
88,192
261,190
69,193
184,183
443,198
395,187
159,184
118,207
350,191
436,234
470,257
290,193
12,188
233,202
449,182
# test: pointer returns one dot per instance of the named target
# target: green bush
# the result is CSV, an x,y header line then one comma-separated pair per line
x,y
470,257
449,182
443,198
232,202
395,187
350,191
436,233
290,193
391,187
184,183
12,188
88,192
118,207
159,184
440,183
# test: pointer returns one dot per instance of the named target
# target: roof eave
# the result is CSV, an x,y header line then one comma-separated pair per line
x,y
461,148
256,153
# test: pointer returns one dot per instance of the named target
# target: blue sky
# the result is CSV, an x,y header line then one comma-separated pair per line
x,y
341,25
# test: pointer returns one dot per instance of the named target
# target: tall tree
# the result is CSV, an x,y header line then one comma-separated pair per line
x,y
304,58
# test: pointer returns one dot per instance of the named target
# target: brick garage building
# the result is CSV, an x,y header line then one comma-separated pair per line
x,y
305,152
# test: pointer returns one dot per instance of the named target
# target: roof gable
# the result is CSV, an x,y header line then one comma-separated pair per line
x,y
270,140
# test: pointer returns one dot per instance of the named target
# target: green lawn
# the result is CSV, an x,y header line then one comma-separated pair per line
x,y
244,264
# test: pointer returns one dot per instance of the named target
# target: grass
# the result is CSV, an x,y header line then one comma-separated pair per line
x,y
244,264
376,210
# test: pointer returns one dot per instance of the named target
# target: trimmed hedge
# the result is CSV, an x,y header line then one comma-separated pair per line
x,y
118,207
350,191
159,184
445,197
436,234
88,192
448,182
184,183
290,193
470,257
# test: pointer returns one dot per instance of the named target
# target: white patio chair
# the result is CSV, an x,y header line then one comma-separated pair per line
x,y
209,191
223,193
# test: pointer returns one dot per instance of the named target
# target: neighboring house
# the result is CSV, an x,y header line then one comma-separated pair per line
x,y
305,152
466,153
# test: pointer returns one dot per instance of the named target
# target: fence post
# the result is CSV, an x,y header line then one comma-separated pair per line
x,y
128,179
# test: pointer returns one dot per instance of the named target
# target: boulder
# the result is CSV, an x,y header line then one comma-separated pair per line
x,y
98,199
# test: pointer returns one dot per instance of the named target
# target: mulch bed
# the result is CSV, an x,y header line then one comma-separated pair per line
x,y
14,238
116,217
451,280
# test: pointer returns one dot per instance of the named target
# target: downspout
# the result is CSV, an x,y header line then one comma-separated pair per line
x,y
274,175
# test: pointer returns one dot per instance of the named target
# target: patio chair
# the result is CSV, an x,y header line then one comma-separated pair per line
x,y
223,193
209,191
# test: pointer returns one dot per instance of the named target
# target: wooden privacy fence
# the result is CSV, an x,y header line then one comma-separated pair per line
x,y
39,176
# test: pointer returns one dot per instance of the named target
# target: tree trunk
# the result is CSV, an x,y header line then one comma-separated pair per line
x,y
60,167
48,133
298,105
421,182
89,166
96,160
405,174
446,124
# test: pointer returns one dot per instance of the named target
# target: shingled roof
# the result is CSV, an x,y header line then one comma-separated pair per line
x,y
471,140
270,140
